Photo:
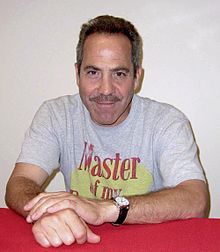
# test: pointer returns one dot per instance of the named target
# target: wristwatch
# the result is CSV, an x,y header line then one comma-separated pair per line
x,y
123,204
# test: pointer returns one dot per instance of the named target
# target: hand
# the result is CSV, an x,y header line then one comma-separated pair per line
x,y
63,227
91,211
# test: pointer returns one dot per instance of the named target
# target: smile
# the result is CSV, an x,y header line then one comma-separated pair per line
x,y
105,99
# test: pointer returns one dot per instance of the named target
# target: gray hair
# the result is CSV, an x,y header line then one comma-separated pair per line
x,y
111,25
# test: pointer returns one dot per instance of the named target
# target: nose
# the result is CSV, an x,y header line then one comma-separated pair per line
x,y
106,86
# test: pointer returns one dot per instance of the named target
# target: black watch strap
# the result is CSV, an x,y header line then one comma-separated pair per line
x,y
123,205
122,215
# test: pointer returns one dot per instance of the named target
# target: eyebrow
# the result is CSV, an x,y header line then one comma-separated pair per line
x,y
125,69
91,67
113,69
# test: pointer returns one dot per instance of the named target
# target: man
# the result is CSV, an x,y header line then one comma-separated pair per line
x,y
125,159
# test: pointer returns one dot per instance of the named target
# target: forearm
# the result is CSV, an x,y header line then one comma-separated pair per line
x,y
19,191
186,200
181,202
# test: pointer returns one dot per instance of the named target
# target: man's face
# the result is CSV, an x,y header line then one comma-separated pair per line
x,y
106,79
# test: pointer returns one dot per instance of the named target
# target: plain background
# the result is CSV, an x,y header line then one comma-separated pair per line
x,y
181,62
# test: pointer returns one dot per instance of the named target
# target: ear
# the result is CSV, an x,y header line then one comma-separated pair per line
x,y
77,74
138,79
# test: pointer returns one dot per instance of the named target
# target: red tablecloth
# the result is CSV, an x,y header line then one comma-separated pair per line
x,y
194,235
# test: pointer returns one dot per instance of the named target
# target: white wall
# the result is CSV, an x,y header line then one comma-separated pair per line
x,y
181,61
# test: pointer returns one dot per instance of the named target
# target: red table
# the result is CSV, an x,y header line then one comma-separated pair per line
x,y
194,235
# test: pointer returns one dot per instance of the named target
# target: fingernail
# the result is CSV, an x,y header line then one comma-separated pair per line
x,y
28,219
96,237
26,207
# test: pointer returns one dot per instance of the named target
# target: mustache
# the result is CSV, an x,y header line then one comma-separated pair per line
x,y
105,98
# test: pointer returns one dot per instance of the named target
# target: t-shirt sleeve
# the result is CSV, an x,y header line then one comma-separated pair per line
x,y
178,155
40,146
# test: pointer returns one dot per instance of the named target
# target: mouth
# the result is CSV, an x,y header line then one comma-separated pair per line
x,y
105,103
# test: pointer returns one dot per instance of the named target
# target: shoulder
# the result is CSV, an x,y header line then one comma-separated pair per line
x,y
63,101
58,109
159,110
61,105
161,118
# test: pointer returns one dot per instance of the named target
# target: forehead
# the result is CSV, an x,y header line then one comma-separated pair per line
x,y
112,46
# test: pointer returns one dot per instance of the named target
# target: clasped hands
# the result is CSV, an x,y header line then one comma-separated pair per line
x,y
62,218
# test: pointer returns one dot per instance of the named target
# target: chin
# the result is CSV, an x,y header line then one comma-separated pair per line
x,y
105,122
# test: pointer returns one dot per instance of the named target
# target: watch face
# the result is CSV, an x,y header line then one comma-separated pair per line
x,y
121,201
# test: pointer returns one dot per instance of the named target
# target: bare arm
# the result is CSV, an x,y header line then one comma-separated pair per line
x,y
63,227
24,184
187,200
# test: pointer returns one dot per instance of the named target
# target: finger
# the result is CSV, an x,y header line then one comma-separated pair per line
x,y
87,210
41,239
46,231
40,236
38,210
34,201
61,205
43,203
53,236
81,231
52,230
76,225
41,208
33,216
92,237
65,234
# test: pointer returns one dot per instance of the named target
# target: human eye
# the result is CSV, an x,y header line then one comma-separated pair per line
x,y
92,73
120,74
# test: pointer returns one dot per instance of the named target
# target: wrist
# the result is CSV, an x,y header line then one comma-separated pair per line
x,y
109,211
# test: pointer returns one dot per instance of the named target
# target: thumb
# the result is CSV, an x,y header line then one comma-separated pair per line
x,y
92,237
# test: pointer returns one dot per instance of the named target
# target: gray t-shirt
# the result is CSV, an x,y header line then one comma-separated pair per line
x,y
152,148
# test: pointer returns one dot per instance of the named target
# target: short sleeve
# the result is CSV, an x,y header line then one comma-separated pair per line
x,y
40,146
178,156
